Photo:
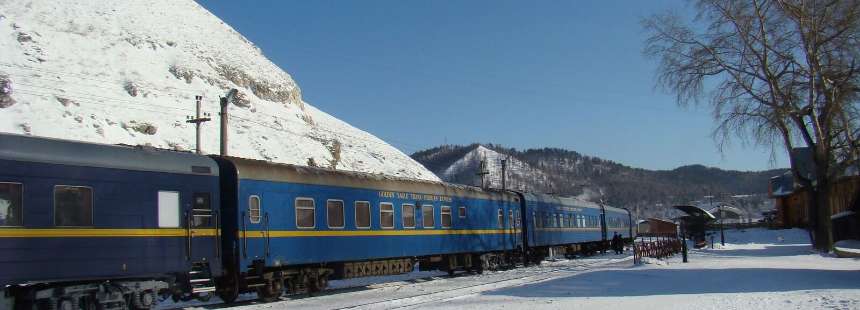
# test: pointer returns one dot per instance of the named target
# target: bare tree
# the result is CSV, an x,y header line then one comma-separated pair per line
x,y
782,74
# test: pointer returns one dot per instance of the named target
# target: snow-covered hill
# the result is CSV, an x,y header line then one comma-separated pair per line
x,y
128,72
647,193
520,175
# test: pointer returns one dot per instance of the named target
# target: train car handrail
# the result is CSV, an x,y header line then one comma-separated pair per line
x,y
266,229
244,237
217,234
188,221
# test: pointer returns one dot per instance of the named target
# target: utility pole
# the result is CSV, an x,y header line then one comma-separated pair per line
x,y
722,232
224,125
504,174
482,171
199,120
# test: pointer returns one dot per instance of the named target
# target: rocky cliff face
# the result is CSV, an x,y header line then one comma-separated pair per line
x,y
128,72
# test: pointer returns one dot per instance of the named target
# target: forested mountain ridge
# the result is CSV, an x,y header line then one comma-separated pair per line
x,y
646,192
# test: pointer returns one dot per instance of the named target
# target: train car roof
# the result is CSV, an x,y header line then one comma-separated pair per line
x,y
569,202
66,152
278,172
619,210
561,200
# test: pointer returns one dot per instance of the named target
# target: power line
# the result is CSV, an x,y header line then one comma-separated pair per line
x,y
244,119
83,76
113,99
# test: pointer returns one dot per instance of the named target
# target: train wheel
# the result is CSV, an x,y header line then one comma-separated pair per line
x,y
321,283
143,300
67,304
271,291
309,283
228,289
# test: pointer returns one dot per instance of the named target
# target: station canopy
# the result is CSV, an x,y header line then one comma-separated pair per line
x,y
696,212
727,212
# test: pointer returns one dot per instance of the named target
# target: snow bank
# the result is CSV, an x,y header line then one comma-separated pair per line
x,y
96,70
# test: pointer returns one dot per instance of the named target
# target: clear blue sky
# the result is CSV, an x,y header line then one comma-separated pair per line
x,y
524,74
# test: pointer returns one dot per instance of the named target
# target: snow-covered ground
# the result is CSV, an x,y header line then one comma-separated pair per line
x,y
128,72
757,269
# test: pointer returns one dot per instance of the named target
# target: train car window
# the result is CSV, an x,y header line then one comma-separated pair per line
x,y
517,223
427,216
386,215
510,218
255,214
461,212
202,210
11,204
73,206
408,215
362,214
446,217
334,213
168,209
501,219
305,213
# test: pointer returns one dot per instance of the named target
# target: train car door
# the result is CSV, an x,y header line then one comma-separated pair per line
x,y
201,230
256,229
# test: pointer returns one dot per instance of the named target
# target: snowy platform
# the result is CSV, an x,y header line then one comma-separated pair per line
x,y
757,269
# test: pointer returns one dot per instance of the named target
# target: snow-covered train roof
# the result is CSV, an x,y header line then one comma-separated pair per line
x,y
66,152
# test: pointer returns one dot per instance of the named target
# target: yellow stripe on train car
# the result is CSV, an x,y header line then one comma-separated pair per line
x,y
357,233
102,232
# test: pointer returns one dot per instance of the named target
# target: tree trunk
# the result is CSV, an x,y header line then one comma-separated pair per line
x,y
823,225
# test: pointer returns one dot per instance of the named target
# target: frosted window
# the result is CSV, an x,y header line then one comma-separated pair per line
x,y
408,214
446,217
362,214
254,209
305,213
11,198
334,213
427,217
168,209
386,215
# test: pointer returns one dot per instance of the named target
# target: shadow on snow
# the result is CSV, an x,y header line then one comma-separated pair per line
x,y
632,282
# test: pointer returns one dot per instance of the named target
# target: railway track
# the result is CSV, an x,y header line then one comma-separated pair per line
x,y
447,288
466,290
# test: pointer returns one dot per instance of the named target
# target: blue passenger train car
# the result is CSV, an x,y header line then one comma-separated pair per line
x,y
76,215
569,225
90,226
300,226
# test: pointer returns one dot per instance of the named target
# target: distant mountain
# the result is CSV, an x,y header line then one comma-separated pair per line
x,y
646,192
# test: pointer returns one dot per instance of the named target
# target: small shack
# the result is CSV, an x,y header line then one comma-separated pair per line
x,y
658,227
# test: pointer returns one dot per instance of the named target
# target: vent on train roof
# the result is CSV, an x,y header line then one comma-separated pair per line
x,y
201,169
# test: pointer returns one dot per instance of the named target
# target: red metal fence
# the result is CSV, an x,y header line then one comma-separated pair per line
x,y
657,247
